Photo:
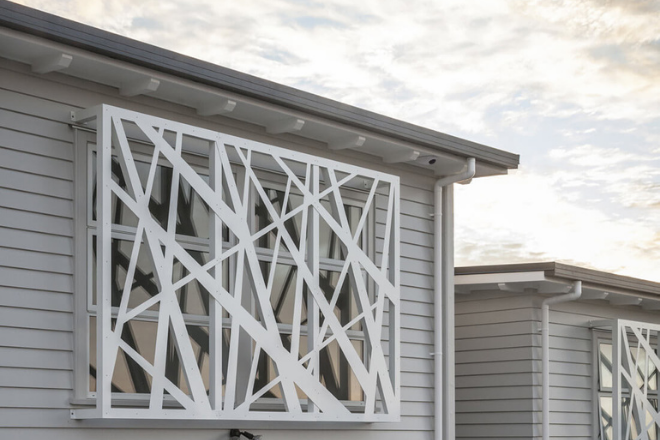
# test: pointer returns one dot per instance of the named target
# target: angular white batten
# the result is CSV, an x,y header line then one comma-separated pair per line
x,y
634,357
375,283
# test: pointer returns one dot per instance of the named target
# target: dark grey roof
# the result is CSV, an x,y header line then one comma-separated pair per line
x,y
566,271
78,35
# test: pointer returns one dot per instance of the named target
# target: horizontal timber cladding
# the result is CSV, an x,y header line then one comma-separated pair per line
x,y
37,265
36,338
498,371
495,364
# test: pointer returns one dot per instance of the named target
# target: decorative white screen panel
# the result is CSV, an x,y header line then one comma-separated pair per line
x,y
635,366
312,364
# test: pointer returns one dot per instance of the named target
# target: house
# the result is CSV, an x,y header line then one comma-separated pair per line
x,y
186,249
588,340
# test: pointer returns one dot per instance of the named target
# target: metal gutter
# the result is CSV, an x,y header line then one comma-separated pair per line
x,y
78,35
443,305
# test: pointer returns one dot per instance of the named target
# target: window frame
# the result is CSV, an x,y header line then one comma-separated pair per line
x,y
86,229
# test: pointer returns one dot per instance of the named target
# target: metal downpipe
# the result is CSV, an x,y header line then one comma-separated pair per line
x,y
443,257
545,354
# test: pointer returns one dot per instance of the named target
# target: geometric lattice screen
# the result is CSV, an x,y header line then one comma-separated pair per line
x,y
635,364
298,287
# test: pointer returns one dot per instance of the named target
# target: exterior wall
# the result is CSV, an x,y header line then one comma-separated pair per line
x,y
37,285
498,357
571,359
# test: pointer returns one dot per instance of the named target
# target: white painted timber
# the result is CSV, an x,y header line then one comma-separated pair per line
x,y
345,142
379,379
139,87
289,125
404,156
52,63
219,107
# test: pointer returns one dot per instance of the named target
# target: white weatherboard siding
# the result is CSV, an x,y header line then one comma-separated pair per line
x,y
36,267
498,364
496,356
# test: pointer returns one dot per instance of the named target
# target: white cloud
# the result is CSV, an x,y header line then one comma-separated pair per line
x,y
465,60
592,156
630,179
547,78
537,222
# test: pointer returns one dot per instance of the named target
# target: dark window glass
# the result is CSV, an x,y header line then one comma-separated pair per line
x,y
193,215
329,244
140,335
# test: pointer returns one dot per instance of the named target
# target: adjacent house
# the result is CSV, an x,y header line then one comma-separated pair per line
x,y
186,249
549,342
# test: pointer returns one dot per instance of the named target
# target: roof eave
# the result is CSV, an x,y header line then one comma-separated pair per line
x,y
569,273
51,27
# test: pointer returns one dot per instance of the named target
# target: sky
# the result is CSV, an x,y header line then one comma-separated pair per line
x,y
573,86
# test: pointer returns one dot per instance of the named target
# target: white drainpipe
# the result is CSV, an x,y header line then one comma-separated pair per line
x,y
545,343
444,316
